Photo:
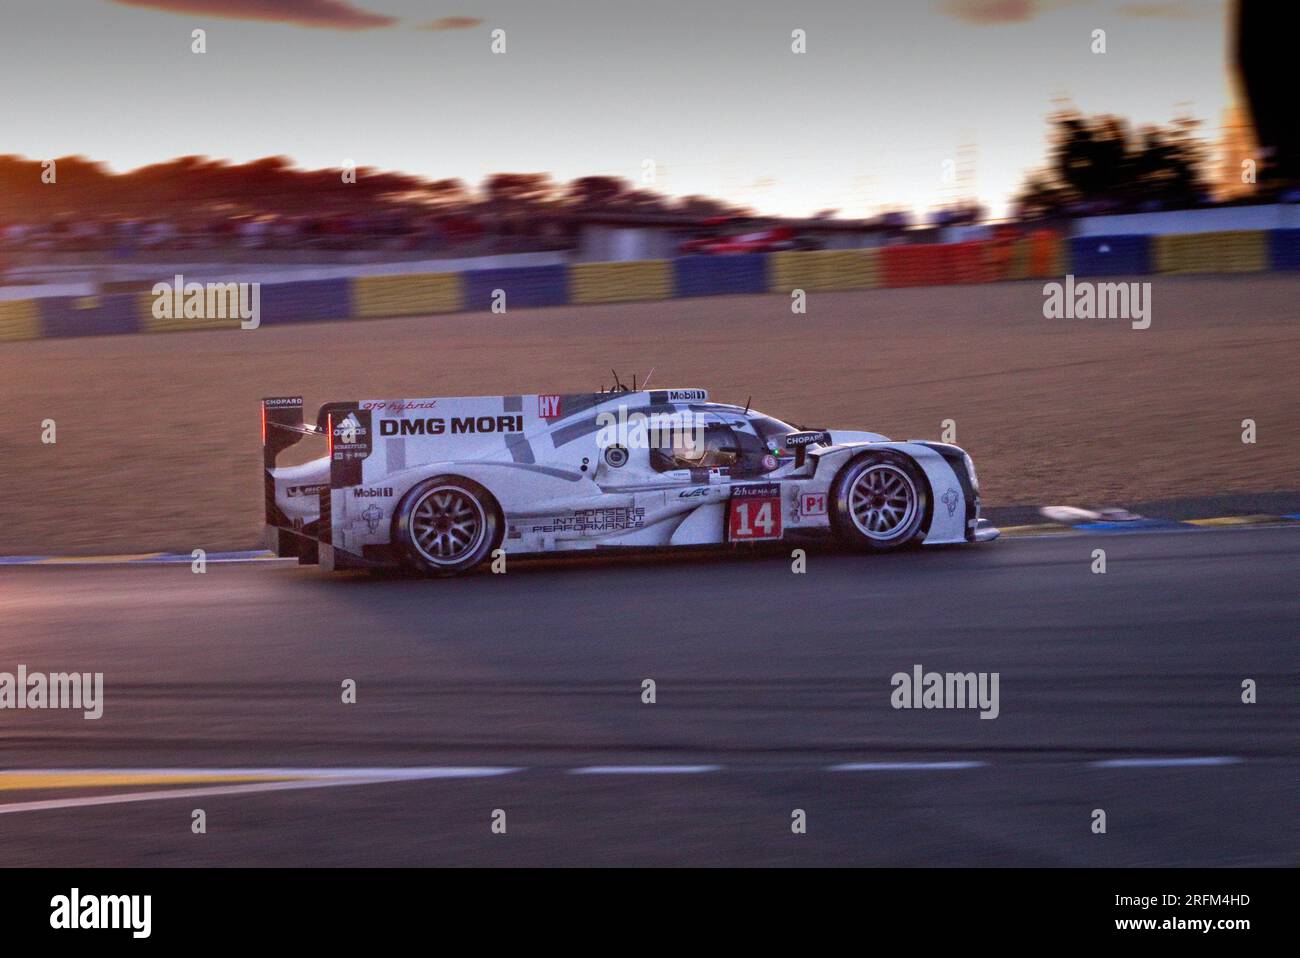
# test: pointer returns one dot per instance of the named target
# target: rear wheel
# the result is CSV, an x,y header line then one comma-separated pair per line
x,y
446,525
880,502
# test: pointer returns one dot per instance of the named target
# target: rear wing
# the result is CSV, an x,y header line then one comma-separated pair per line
x,y
282,426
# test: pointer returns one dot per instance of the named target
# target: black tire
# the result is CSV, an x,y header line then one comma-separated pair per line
x,y
446,525
879,502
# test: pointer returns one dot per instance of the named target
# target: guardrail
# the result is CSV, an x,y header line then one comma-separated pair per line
x,y
977,261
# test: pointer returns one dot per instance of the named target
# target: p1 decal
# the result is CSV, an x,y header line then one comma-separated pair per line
x,y
548,407
754,512
812,504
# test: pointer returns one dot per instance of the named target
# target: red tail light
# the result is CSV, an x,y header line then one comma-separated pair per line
x,y
329,432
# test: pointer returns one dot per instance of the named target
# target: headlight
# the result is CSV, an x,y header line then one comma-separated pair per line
x,y
970,471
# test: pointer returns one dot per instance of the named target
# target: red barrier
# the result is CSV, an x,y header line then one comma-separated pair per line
x,y
939,264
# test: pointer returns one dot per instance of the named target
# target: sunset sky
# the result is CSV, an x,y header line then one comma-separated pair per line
x,y
707,89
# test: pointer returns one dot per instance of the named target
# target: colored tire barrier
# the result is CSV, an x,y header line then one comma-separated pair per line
x,y
1244,251
414,295
19,319
1042,254
1110,255
621,282
937,264
305,302
521,286
823,270
720,275
1284,249
114,314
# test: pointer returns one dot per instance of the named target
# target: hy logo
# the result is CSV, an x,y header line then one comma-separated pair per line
x,y
548,407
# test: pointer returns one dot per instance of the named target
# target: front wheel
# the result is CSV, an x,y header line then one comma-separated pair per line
x,y
880,502
446,525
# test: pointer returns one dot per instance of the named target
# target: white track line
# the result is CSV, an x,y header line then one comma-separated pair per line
x,y
319,772
1166,762
645,769
310,778
303,778
903,766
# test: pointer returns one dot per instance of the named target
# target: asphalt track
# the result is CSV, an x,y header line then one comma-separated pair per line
x,y
1118,691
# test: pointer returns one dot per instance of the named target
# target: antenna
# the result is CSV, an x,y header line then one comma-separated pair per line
x,y
617,385
646,384
747,402
634,382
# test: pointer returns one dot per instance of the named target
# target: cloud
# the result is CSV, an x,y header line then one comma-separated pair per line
x,y
330,14
452,23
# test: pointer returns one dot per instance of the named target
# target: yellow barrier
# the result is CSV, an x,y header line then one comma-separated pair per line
x,y
1037,256
824,270
19,319
411,295
620,282
1239,251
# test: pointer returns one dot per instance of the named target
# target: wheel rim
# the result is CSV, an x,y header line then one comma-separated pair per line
x,y
447,524
882,501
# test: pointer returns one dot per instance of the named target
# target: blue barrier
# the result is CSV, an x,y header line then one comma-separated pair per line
x,y
306,301
713,275
112,314
523,286
1284,249
1110,255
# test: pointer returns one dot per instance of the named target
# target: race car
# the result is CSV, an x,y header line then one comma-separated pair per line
x,y
439,485
722,235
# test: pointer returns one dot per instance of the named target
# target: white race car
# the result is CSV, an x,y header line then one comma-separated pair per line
x,y
439,485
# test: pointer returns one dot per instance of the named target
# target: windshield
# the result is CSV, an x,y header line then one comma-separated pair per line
x,y
771,431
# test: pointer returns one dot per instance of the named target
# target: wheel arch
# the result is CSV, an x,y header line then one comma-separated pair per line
x,y
890,451
489,499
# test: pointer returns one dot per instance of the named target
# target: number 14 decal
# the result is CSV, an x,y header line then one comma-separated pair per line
x,y
754,519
